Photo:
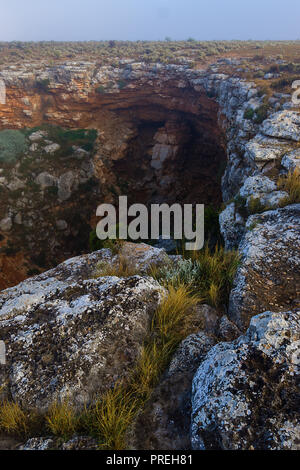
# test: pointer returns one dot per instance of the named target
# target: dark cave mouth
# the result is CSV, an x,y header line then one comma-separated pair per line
x,y
175,160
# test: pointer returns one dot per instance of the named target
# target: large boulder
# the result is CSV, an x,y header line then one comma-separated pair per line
x,y
264,189
70,335
262,149
268,276
245,393
283,125
291,160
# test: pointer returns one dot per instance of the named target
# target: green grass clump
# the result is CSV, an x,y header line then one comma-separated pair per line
x,y
255,206
12,145
84,138
261,113
67,138
249,113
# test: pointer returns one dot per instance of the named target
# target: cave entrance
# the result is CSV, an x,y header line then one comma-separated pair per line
x,y
179,159
169,156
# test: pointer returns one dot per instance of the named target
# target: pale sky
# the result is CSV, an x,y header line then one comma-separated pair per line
x,y
79,20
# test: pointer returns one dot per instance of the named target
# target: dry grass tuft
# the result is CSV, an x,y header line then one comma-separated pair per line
x,y
123,267
208,274
217,271
291,184
255,206
153,360
61,419
111,416
13,419
174,314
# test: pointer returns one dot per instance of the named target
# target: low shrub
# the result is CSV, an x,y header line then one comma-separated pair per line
x,y
255,206
43,84
249,113
12,145
261,113
209,274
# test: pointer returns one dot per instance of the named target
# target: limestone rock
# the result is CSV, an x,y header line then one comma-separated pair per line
x,y
264,189
16,184
37,136
61,224
144,256
80,443
66,184
272,200
45,180
51,148
227,330
284,124
257,184
69,335
231,226
6,224
38,443
262,149
291,160
245,393
268,276
168,245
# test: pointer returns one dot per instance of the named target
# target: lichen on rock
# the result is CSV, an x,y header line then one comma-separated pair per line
x,y
245,393
268,276
69,335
